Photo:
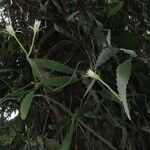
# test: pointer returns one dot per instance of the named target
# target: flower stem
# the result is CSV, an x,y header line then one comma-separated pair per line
x,y
24,50
111,90
31,48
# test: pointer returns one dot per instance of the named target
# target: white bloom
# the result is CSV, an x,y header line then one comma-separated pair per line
x,y
10,30
36,26
92,74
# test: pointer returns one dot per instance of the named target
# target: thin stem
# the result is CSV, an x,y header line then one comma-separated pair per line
x,y
6,84
96,134
112,91
33,40
5,97
24,50
80,121
58,104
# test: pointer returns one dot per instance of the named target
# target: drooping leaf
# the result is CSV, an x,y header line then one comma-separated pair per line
x,y
114,8
105,55
25,105
123,75
53,65
68,138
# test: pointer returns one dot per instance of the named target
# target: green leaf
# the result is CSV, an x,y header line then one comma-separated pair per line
x,y
105,55
34,68
53,65
123,74
58,81
68,138
25,105
114,8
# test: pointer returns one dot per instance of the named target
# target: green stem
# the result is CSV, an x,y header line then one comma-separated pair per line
x,y
31,48
111,90
80,121
24,50
58,104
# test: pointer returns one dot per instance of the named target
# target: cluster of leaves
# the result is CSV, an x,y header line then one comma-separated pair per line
x,y
43,74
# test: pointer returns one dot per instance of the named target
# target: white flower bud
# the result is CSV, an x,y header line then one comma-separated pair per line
x,y
10,30
36,25
92,74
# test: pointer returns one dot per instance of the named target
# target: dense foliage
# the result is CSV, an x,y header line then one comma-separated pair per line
x,y
46,48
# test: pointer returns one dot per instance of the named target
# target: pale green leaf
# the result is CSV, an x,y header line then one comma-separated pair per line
x,y
105,55
123,75
25,105
53,65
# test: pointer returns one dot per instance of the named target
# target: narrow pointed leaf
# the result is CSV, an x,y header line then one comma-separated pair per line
x,y
58,81
123,75
53,65
105,55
